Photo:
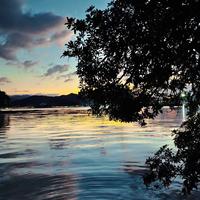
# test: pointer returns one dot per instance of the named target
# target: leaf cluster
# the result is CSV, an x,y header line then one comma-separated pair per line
x,y
137,56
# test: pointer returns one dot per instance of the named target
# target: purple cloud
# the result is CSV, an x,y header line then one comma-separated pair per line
x,y
13,19
56,69
22,30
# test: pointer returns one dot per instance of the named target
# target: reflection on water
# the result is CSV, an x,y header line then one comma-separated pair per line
x,y
57,154
4,121
4,124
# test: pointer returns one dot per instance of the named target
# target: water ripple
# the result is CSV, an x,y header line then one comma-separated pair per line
x,y
59,154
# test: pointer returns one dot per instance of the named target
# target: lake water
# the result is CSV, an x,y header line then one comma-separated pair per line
x,y
69,155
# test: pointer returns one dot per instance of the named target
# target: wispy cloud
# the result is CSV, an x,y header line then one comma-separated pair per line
x,y
26,64
29,63
67,77
57,69
4,80
60,38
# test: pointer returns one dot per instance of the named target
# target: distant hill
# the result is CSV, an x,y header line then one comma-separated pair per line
x,y
19,97
48,101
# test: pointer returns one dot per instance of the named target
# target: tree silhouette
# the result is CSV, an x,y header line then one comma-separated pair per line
x,y
4,99
136,56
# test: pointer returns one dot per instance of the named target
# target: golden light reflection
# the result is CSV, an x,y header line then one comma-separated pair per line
x,y
79,129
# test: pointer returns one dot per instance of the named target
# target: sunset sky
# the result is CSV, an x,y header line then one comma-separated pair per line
x,y
32,38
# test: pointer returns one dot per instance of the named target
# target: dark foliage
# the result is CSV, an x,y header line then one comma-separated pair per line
x,y
185,162
137,56
4,100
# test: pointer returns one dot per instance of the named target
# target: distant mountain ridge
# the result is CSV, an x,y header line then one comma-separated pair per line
x,y
48,101
19,97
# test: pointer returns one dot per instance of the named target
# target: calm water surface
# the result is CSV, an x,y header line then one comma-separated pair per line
x,y
56,154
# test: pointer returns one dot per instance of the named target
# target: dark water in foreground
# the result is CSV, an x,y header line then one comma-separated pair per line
x,y
61,155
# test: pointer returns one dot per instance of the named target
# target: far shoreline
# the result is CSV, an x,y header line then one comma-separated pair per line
x,y
67,110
